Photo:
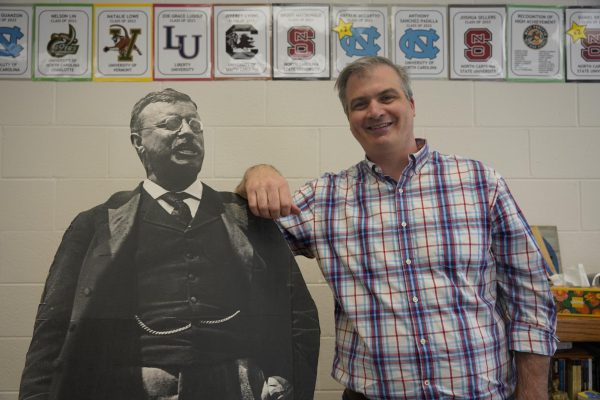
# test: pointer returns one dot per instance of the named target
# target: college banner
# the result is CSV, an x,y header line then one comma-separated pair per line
x,y
477,41
63,42
583,44
16,27
359,31
182,40
301,42
420,40
123,42
535,40
242,47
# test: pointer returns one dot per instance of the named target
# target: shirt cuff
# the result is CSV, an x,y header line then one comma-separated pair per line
x,y
531,339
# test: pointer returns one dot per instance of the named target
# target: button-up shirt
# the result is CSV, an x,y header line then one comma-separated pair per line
x,y
436,277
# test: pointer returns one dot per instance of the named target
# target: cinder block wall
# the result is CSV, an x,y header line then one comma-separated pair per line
x,y
64,147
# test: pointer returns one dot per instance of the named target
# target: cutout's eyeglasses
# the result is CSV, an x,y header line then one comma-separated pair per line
x,y
174,123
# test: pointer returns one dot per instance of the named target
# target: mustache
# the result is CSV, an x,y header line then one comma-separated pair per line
x,y
187,144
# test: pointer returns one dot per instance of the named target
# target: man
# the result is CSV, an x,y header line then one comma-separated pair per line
x,y
172,290
438,283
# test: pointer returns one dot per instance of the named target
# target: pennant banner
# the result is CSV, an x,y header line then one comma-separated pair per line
x,y
16,27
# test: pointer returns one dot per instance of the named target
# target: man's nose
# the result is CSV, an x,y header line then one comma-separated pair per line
x,y
185,128
374,110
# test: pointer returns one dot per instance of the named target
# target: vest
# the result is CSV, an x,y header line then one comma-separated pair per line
x,y
192,289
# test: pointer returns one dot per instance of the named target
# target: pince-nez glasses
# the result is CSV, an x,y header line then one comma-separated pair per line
x,y
174,123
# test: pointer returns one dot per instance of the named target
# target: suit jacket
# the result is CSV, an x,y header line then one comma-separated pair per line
x,y
85,342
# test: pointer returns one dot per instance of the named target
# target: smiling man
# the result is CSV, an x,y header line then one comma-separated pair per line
x,y
172,291
440,289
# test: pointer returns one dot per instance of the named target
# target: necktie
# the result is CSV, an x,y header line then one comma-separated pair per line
x,y
181,211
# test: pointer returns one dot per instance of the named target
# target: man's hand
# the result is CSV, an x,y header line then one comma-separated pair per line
x,y
267,192
532,376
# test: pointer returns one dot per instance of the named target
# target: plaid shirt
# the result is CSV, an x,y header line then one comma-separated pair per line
x,y
436,278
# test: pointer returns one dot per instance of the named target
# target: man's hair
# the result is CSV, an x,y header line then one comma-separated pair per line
x,y
164,96
365,64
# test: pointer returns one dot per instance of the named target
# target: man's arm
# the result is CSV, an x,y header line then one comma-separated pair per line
x,y
268,192
532,376
54,311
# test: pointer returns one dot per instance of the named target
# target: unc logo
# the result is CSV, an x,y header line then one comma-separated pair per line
x,y
361,42
8,41
421,39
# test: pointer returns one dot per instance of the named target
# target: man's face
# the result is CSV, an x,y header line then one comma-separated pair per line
x,y
168,152
380,115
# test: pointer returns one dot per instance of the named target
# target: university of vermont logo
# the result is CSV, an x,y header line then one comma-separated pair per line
x,y
124,42
419,43
180,46
357,41
62,44
8,41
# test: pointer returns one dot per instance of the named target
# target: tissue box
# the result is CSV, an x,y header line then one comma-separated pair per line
x,y
577,301
588,395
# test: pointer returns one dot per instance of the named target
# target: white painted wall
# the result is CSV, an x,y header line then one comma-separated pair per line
x,y
64,147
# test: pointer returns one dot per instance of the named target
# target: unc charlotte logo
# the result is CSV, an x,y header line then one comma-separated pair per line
x,y
8,41
62,44
357,41
423,40
124,42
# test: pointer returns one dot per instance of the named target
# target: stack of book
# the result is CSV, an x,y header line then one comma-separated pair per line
x,y
574,371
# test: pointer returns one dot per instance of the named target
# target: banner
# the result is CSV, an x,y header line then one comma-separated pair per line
x,y
477,40
583,44
535,39
183,40
123,42
359,32
63,42
16,27
301,42
420,40
242,41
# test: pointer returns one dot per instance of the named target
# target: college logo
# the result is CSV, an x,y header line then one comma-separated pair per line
x,y
419,43
239,41
591,45
8,41
535,37
301,42
180,47
479,48
124,42
357,42
62,44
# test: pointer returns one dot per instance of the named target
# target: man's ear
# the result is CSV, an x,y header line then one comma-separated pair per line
x,y
136,141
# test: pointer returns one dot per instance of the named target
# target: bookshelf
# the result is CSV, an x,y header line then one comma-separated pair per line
x,y
578,329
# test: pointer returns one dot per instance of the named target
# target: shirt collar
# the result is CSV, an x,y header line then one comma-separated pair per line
x,y
417,159
155,190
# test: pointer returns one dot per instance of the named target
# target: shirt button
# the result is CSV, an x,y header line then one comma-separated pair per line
x,y
87,291
408,261
403,224
423,341
426,382
401,190
415,299
193,300
191,277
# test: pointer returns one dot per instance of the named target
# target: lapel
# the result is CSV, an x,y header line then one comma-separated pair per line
x,y
113,227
